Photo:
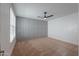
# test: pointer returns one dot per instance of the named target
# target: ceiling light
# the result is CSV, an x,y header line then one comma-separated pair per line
x,y
45,18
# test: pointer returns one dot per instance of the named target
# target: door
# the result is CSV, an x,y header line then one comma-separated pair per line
x,y
1,52
4,29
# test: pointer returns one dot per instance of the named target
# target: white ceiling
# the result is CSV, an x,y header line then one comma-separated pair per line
x,y
32,10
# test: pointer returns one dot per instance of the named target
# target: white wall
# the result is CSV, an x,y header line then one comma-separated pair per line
x,y
6,45
30,28
13,33
64,28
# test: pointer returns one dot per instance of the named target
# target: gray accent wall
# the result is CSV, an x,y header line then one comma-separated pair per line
x,y
30,28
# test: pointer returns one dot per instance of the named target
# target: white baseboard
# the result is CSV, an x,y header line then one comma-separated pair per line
x,y
59,38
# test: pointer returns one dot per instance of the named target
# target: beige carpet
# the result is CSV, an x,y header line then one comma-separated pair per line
x,y
44,47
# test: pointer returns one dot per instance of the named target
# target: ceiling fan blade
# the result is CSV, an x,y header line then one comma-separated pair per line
x,y
40,17
49,16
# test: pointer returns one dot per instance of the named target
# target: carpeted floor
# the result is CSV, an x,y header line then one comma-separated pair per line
x,y
44,47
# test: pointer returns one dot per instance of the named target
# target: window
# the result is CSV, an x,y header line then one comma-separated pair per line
x,y
12,25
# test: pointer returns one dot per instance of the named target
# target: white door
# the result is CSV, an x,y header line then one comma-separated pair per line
x,y
1,52
4,28
0,30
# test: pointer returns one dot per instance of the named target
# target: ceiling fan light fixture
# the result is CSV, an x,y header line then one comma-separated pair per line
x,y
45,18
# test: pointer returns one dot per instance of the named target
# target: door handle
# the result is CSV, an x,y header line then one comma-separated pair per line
x,y
2,52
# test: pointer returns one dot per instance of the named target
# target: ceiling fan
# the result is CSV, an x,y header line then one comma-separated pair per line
x,y
45,16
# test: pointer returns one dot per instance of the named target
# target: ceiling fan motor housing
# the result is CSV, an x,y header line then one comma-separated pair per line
x,y
45,14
